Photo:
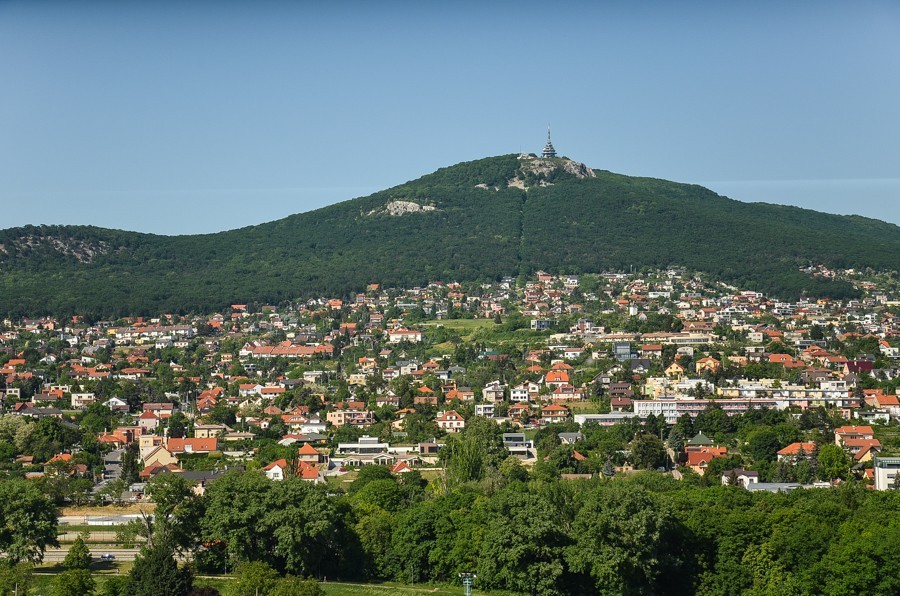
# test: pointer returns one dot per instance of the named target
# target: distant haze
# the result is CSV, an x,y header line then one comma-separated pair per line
x,y
186,117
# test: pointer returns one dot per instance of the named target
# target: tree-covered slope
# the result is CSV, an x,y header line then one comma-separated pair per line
x,y
467,222
615,221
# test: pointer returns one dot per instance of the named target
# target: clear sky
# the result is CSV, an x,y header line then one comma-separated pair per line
x,y
187,116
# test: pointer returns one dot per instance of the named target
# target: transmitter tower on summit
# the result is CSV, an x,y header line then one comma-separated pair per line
x,y
548,151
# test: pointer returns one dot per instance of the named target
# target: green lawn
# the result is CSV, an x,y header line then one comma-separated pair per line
x,y
461,324
465,327
584,407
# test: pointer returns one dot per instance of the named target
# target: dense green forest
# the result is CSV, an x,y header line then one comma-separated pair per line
x,y
479,229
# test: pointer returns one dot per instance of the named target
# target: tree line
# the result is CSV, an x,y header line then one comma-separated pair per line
x,y
520,530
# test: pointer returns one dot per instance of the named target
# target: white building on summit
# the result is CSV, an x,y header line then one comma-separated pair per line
x,y
548,151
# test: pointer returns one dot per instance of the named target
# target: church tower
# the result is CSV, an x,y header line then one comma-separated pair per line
x,y
548,151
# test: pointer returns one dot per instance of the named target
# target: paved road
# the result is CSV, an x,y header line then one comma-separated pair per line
x,y
56,555
98,520
105,537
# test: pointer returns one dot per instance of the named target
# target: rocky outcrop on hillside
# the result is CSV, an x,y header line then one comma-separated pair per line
x,y
538,171
83,251
397,208
540,166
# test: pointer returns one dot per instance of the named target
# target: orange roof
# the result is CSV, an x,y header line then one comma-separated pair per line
x,y
400,467
861,443
862,430
307,449
887,400
281,463
447,416
696,458
557,376
308,472
196,445
554,408
794,448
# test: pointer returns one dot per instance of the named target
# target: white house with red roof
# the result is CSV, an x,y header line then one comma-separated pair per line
x,y
280,469
148,421
451,421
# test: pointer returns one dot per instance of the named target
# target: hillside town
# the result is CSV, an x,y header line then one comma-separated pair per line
x,y
677,372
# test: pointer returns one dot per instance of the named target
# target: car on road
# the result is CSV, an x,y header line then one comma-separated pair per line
x,y
107,557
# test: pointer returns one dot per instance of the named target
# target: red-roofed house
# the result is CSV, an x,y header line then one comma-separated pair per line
x,y
279,470
699,459
796,451
852,432
148,421
309,454
862,450
556,378
195,445
401,467
451,421
554,413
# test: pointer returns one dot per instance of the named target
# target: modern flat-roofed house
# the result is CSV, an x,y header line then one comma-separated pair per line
x,y
886,471
365,445
518,445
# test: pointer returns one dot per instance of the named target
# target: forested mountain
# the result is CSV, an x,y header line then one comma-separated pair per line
x,y
476,220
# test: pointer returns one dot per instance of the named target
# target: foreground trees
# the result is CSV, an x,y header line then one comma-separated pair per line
x,y
27,521
626,541
293,525
519,531
643,534
156,573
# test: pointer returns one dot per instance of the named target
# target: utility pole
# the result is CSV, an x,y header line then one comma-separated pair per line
x,y
467,580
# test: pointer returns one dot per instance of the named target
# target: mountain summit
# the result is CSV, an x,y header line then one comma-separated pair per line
x,y
477,220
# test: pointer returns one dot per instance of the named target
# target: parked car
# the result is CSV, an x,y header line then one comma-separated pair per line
x,y
107,557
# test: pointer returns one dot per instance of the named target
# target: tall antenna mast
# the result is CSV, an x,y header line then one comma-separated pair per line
x,y
548,151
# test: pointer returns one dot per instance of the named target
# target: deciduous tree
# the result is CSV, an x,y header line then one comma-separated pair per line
x,y
27,521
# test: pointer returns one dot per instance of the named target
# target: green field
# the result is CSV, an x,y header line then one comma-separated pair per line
x,y
465,327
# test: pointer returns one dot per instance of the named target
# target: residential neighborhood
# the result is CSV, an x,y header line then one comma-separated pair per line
x,y
596,378
253,385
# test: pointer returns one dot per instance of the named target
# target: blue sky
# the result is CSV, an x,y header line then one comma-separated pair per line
x,y
186,117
